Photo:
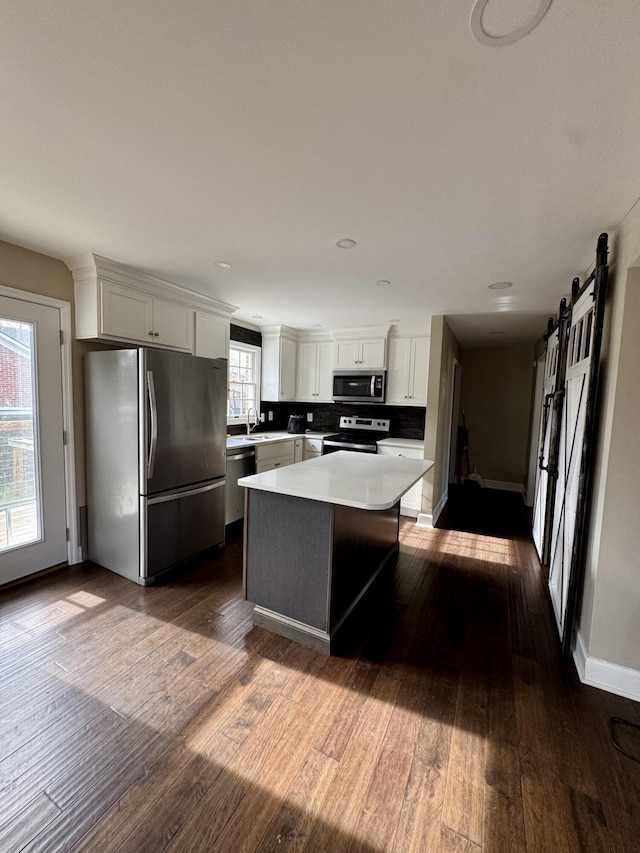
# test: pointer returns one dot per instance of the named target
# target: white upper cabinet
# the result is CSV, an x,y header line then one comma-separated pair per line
x,y
316,360
360,354
279,350
408,371
128,314
212,335
117,303
124,313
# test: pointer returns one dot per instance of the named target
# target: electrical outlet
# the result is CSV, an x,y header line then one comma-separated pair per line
x,y
309,417
270,416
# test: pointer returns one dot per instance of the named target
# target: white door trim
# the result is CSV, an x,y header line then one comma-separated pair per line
x,y
536,422
74,552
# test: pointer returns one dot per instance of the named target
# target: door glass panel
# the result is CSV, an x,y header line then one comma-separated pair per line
x,y
19,510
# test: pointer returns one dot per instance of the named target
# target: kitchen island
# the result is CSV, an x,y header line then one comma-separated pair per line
x,y
317,534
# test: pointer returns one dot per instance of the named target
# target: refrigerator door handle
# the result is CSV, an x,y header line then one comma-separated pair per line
x,y
185,493
153,418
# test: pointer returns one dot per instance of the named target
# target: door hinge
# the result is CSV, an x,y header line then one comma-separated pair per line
x,y
65,437
61,338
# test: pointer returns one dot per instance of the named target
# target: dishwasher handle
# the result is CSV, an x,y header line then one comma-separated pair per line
x,y
231,457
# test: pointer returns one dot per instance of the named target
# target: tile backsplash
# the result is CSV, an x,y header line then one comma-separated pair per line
x,y
406,421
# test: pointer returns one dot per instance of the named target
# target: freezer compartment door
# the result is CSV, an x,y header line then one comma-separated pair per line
x,y
184,401
180,524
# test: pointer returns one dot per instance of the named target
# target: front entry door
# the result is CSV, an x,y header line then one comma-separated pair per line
x,y
33,529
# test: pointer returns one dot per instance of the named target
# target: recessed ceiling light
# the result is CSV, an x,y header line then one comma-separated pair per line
x,y
258,317
383,282
505,24
317,326
346,244
500,285
223,265
497,332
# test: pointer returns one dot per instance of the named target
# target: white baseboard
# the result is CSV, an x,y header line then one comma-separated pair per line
x,y
621,680
430,519
504,486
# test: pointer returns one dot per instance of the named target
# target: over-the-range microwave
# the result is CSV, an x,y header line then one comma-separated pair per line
x,y
358,386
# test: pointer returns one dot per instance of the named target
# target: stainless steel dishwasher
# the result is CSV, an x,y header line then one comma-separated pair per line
x,y
241,461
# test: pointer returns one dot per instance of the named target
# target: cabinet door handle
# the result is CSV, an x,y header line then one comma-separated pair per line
x,y
277,464
150,333
157,334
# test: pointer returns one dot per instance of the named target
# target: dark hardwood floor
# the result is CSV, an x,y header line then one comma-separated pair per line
x,y
159,719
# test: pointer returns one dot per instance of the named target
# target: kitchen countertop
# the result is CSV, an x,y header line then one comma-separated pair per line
x,y
361,480
408,443
256,438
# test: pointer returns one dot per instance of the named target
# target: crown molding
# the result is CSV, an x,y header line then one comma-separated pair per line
x,y
90,268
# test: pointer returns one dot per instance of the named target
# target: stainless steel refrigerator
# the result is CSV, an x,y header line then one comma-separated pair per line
x,y
156,436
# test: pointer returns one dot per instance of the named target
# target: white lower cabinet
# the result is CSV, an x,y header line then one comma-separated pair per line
x,y
411,502
277,455
312,448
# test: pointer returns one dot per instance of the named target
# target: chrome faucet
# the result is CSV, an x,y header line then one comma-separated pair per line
x,y
256,419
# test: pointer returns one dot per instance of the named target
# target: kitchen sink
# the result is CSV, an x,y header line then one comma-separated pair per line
x,y
252,437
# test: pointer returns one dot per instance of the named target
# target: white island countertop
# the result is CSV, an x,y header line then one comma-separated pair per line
x,y
361,480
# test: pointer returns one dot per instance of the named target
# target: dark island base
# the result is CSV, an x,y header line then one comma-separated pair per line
x,y
307,564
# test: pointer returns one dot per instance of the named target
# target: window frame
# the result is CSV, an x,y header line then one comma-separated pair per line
x,y
235,420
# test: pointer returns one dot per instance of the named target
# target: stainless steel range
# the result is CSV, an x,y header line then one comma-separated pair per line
x,y
359,434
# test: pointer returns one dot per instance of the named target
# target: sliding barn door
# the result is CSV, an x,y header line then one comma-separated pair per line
x,y
566,457
542,477
572,434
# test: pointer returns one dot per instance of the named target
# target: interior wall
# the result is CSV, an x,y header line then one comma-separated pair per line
x,y
615,630
444,351
496,399
35,273
609,616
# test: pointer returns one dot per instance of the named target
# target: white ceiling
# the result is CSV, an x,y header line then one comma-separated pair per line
x,y
170,135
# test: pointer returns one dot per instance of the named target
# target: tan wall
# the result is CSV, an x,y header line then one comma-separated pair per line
x,y
610,616
444,349
609,620
26,270
496,399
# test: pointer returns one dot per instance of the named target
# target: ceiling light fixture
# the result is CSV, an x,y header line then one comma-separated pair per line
x,y
346,243
497,332
507,9
394,320
383,282
223,265
258,317
317,326
500,285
